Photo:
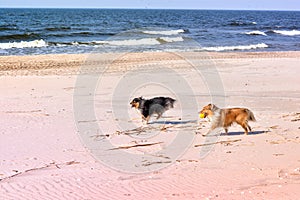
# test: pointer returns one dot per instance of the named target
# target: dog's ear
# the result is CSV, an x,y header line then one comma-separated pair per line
x,y
141,97
212,106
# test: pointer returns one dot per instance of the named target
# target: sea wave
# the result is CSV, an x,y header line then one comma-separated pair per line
x,y
288,33
80,34
165,32
23,44
6,28
232,48
142,41
21,36
241,23
256,33
131,42
171,39
61,28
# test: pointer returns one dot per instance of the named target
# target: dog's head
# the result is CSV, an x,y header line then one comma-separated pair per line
x,y
208,111
136,102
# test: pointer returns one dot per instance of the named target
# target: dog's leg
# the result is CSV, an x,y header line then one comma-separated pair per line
x,y
143,118
226,130
159,115
245,127
147,119
249,127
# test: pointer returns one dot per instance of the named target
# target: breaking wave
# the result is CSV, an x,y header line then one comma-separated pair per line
x,y
288,33
232,48
165,32
128,42
24,44
256,33
143,41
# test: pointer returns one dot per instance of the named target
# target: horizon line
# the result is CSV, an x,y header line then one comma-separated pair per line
x,y
146,8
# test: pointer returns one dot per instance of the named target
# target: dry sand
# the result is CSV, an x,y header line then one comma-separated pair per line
x,y
44,157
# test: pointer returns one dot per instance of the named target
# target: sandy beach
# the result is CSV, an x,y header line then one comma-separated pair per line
x,y
66,123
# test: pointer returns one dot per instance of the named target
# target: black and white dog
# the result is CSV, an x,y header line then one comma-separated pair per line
x,y
156,105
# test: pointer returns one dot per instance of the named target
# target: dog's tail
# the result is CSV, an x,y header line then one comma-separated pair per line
x,y
170,102
250,115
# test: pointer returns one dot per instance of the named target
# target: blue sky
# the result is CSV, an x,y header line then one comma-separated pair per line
x,y
169,4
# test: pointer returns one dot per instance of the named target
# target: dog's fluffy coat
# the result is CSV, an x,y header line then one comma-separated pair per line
x,y
227,116
148,107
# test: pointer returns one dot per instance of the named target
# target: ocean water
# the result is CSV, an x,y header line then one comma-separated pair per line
x,y
47,31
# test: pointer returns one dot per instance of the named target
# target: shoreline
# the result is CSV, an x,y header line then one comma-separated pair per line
x,y
36,64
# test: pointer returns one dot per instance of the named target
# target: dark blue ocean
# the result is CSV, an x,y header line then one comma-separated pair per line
x,y
47,31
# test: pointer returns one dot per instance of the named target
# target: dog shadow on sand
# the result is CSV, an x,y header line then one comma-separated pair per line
x,y
236,133
178,122
243,133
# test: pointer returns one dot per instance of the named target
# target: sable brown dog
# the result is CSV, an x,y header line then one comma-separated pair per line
x,y
227,116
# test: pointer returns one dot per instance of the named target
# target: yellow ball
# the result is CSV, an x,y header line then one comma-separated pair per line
x,y
201,115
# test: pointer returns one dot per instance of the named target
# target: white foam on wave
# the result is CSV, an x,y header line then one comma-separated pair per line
x,y
172,39
232,48
143,41
23,44
256,33
288,33
132,42
169,32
